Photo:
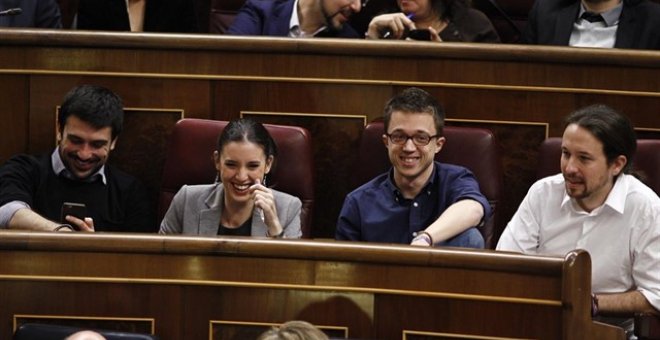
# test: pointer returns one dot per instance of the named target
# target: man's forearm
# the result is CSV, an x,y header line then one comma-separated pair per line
x,y
620,304
29,220
457,218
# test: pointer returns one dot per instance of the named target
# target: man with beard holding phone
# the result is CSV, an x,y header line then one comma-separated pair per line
x,y
34,191
629,24
296,18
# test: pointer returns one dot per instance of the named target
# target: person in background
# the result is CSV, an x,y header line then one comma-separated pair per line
x,y
241,203
85,335
596,205
296,18
168,16
33,190
418,201
294,330
30,13
594,23
446,20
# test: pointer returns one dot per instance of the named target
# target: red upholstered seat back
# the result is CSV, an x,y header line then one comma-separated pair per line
x,y
473,148
189,160
646,162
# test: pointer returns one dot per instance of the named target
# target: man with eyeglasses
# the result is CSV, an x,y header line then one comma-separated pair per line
x,y
296,18
418,201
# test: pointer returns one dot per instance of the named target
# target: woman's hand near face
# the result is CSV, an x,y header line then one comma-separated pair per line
x,y
264,200
397,23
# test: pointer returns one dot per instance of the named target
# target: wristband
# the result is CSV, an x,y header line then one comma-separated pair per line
x,y
425,235
280,235
64,226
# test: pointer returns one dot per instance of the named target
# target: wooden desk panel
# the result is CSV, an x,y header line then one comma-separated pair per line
x,y
219,77
186,284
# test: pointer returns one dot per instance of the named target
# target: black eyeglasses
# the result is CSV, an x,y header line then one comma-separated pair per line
x,y
419,139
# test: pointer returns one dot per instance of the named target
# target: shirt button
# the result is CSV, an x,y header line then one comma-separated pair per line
x,y
415,204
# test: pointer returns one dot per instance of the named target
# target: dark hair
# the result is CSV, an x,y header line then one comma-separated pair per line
x,y
294,330
611,128
415,100
247,130
94,105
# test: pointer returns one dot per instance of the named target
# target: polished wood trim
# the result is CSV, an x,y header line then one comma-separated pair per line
x,y
350,47
311,250
343,81
473,297
197,279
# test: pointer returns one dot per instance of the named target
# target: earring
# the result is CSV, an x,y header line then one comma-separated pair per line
x,y
264,181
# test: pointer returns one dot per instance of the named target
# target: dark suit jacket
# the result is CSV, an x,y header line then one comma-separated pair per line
x,y
35,13
550,22
271,17
170,16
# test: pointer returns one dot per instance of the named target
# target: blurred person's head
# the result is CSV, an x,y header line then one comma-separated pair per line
x,y
294,330
85,335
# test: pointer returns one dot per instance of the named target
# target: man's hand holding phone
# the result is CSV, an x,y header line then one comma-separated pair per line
x,y
76,215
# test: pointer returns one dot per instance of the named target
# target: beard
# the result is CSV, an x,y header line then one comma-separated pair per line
x,y
329,23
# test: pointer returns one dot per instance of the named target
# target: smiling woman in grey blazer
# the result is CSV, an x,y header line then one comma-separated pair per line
x,y
240,204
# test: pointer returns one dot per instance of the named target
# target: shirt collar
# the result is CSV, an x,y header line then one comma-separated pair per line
x,y
294,25
616,199
61,170
611,17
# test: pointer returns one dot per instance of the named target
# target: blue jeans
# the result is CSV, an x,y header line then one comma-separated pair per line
x,y
470,238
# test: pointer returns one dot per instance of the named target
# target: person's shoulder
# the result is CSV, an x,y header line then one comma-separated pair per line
x,y
200,189
649,5
26,161
546,6
640,192
446,169
122,179
281,196
548,188
267,4
475,15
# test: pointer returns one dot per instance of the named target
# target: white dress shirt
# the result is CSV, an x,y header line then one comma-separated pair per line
x,y
622,235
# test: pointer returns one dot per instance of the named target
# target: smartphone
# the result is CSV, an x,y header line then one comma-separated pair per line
x,y
78,210
420,35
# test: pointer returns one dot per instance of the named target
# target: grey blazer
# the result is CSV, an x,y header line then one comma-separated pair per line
x,y
196,210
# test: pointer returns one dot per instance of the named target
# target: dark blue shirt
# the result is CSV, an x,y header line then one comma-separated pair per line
x,y
377,211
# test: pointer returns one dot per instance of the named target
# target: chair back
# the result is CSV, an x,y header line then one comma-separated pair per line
x,y
646,162
473,148
189,160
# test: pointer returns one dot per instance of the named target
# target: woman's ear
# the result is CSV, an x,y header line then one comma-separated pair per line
x,y
216,160
269,163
